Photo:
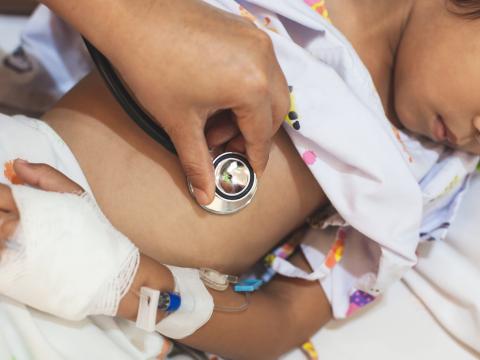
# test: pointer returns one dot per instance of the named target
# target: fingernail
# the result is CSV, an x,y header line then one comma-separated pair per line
x,y
11,174
201,196
21,161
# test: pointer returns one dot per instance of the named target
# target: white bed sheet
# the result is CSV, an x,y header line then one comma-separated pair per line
x,y
401,326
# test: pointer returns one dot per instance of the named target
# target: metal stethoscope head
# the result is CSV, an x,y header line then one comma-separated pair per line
x,y
235,184
235,180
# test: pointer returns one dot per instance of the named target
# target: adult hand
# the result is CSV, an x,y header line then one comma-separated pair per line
x,y
40,176
185,61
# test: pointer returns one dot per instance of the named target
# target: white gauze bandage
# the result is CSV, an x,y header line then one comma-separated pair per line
x,y
196,308
66,258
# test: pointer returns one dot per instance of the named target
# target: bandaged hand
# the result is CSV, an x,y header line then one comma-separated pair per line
x,y
63,257
39,176
60,254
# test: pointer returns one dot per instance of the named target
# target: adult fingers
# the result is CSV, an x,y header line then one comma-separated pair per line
x,y
237,144
280,98
44,177
255,124
258,128
195,158
222,133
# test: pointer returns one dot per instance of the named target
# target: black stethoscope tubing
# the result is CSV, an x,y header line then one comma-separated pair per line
x,y
128,103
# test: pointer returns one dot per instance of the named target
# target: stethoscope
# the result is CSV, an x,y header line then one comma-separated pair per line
x,y
235,180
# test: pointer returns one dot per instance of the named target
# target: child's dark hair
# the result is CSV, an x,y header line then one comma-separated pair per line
x,y
467,8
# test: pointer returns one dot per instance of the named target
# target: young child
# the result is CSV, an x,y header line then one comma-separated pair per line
x,y
363,185
394,189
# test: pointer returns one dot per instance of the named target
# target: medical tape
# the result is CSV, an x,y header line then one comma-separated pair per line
x,y
196,308
147,309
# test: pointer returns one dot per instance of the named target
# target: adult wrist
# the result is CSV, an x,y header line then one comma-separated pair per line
x,y
108,24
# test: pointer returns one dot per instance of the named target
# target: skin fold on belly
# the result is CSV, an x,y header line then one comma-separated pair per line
x,y
141,188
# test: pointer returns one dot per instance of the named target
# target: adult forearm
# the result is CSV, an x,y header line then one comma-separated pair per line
x,y
198,60
107,24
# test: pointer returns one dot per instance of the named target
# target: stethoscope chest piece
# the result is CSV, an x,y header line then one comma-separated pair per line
x,y
235,182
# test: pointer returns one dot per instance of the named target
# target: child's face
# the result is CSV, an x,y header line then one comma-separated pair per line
x,y
437,76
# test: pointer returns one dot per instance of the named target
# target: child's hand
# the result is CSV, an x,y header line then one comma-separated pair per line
x,y
44,177
9,216
40,176
63,231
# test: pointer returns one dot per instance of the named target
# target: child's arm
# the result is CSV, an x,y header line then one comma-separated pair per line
x,y
282,315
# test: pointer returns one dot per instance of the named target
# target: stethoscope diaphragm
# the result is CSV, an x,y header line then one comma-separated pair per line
x,y
235,184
